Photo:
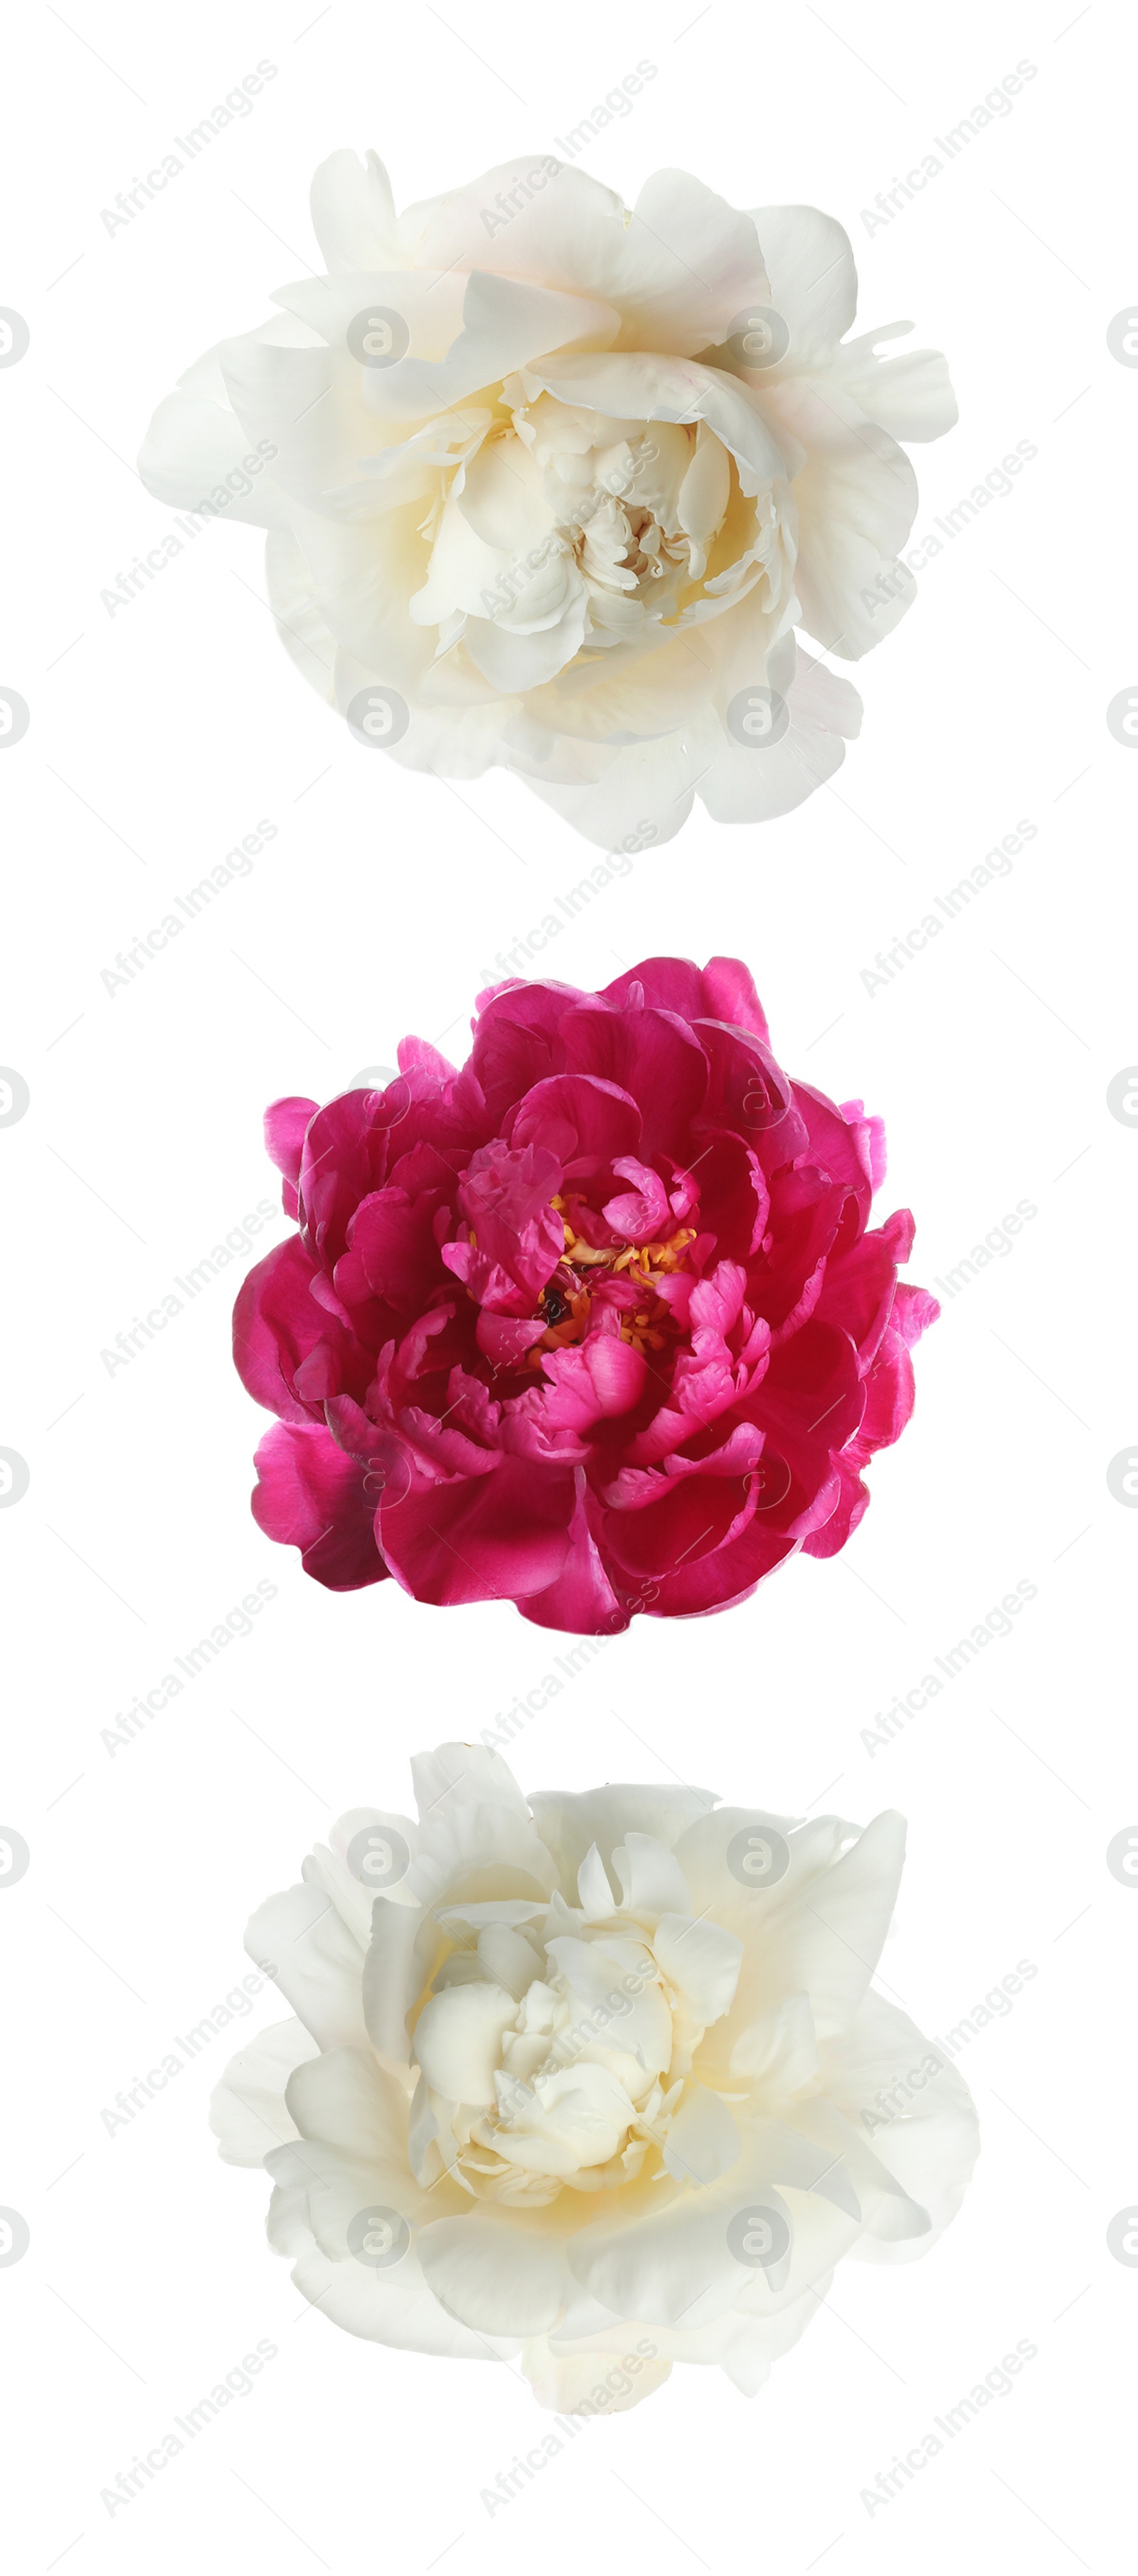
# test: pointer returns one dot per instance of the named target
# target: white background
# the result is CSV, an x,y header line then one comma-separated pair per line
x,y
158,737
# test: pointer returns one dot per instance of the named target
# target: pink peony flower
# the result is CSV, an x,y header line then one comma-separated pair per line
x,y
594,1325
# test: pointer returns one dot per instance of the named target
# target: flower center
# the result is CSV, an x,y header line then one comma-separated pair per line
x,y
566,1300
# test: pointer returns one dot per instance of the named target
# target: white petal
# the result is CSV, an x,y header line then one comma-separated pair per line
x,y
458,2039
189,451
394,2307
248,2113
304,403
595,2382
813,281
652,1882
597,1899
515,662
317,1963
924,2127
889,2213
700,261
650,688
507,1959
505,324
569,1820
503,497
910,395
504,2279
363,589
744,786
643,799
856,497
464,572
702,1960
430,308
344,2098
706,487
635,385
353,216
463,1775
703,2141
568,231
301,625
393,1975
777,2053
680,2264
824,1938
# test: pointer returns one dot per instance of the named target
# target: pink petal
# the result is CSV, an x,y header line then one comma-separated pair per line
x,y
652,1054
584,1123
593,1381
582,1599
498,1538
312,1497
285,1125
643,1213
276,1324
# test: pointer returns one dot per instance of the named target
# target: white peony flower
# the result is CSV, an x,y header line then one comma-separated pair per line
x,y
549,484
601,2077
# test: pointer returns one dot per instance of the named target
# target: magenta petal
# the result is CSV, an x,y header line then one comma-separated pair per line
x,y
652,1054
516,1041
858,1291
889,1393
495,1538
392,1233
690,1519
598,1378
914,1309
505,1339
455,1225
584,1123
729,994
643,1213
276,1323
722,991
504,1196
312,1497
717,1582
285,1124
582,1600
850,1508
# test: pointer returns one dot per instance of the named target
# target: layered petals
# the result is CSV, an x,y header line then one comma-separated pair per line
x,y
596,1323
590,2080
518,444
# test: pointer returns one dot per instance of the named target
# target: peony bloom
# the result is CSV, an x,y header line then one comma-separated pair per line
x,y
594,1325
600,2079
549,485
